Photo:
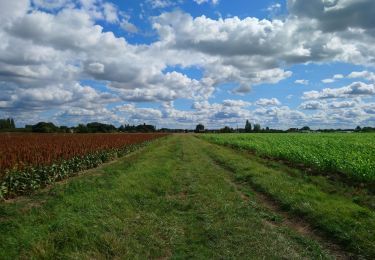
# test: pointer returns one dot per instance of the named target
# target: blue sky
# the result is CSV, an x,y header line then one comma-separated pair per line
x,y
179,63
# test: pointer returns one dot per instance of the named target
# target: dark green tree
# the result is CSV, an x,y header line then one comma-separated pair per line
x,y
81,128
199,128
305,128
257,128
248,127
96,127
226,129
43,127
7,123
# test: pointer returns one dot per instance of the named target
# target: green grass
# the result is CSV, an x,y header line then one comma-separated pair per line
x,y
169,200
352,154
312,197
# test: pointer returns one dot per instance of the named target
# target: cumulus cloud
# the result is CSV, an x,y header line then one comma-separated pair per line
x,y
343,104
268,102
312,105
236,103
337,15
362,74
355,89
333,79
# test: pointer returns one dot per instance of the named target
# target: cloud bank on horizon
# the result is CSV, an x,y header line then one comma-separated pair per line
x,y
178,63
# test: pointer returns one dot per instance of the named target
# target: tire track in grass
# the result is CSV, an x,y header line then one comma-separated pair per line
x,y
293,195
276,217
248,201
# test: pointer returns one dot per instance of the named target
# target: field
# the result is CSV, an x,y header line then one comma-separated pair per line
x,y
31,161
349,154
183,197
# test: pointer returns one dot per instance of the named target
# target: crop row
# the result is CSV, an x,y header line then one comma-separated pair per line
x,y
349,154
31,161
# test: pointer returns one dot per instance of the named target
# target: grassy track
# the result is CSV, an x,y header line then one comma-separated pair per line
x,y
170,200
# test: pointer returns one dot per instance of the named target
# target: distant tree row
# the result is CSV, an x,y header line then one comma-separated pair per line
x,y
136,129
248,129
95,127
365,129
7,123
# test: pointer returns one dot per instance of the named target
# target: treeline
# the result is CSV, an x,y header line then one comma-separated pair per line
x,y
7,123
94,127
249,128
256,128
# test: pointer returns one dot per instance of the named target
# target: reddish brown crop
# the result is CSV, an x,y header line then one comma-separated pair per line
x,y
20,150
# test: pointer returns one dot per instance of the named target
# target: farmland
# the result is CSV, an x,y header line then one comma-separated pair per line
x,y
31,161
351,155
184,197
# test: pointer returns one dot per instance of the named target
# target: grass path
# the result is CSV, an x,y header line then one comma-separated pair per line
x,y
170,200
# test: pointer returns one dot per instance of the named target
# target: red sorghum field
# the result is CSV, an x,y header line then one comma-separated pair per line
x,y
30,161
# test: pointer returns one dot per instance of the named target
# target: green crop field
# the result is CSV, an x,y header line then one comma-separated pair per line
x,y
350,154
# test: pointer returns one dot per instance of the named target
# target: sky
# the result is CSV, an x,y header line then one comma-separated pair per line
x,y
282,63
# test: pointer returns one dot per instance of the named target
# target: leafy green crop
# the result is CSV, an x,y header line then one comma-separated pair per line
x,y
351,154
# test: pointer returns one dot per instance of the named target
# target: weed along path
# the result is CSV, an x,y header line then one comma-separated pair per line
x,y
180,197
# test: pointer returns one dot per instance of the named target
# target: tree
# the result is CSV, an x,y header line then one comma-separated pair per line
x,y
305,128
248,127
7,123
96,127
199,128
257,128
43,127
226,129
64,129
145,128
358,129
81,128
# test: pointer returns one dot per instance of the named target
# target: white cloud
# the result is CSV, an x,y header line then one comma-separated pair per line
x,y
327,81
96,68
268,102
160,3
333,79
362,74
110,12
302,81
235,103
273,8
214,2
355,89
312,105
343,104
128,26
51,4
